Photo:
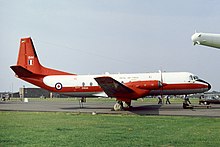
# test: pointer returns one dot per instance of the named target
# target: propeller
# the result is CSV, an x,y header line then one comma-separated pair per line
x,y
195,31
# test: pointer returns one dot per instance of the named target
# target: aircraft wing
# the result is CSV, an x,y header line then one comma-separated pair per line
x,y
113,88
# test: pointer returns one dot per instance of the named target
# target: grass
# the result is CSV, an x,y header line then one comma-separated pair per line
x,y
68,129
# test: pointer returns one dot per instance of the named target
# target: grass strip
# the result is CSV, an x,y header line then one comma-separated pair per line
x,y
69,129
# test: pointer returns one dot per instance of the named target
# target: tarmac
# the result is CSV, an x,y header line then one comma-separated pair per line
x,y
106,108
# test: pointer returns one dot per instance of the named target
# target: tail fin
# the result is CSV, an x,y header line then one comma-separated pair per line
x,y
28,60
27,57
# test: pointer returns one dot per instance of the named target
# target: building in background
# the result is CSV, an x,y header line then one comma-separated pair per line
x,y
30,93
38,93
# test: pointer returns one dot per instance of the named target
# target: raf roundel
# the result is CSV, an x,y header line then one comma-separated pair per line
x,y
58,86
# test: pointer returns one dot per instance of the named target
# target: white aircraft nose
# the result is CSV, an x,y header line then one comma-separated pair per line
x,y
195,38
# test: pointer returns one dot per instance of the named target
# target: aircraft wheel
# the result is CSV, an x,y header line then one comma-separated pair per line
x,y
126,104
117,107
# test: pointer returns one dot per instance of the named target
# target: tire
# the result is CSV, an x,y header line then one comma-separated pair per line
x,y
117,107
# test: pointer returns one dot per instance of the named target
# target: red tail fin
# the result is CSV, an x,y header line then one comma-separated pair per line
x,y
27,58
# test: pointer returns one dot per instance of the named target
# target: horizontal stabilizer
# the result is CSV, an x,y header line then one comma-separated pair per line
x,y
112,87
21,71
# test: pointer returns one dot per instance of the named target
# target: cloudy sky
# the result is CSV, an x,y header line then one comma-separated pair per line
x,y
97,36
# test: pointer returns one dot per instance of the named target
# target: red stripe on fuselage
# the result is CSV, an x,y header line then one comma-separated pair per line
x,y
184,86
38,81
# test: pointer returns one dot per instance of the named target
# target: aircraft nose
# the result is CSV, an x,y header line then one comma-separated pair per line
x,y
208,85
195,38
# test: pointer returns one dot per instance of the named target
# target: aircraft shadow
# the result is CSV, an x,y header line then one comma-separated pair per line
x,y
146,110
85,107
139,110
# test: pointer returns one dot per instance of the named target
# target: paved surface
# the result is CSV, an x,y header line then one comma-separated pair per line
x,y
106,108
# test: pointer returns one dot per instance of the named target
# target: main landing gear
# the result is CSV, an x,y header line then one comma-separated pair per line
x,y
121,105
81,101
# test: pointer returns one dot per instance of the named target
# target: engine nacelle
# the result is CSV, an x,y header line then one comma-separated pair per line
x,y
148,85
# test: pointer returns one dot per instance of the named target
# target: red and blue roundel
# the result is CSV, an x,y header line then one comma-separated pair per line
x,y
58,86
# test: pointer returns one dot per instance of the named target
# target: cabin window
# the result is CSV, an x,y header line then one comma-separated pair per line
x,y
90,83
83,84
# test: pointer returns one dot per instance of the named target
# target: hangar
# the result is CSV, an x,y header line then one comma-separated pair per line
x,y
30,93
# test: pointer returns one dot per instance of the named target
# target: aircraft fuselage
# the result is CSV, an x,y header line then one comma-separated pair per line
x,y
177,83
206,39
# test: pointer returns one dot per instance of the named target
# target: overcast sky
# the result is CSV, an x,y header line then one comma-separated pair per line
x,y
97,36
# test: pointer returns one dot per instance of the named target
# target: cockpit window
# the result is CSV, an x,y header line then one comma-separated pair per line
x,y
190,77
195,77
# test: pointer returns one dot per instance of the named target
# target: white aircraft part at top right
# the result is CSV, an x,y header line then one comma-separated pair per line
x,y
206,39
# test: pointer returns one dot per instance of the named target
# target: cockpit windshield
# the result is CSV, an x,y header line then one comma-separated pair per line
x,y
193,78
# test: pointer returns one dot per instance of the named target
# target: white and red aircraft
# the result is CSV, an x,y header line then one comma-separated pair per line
x,y
123,87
